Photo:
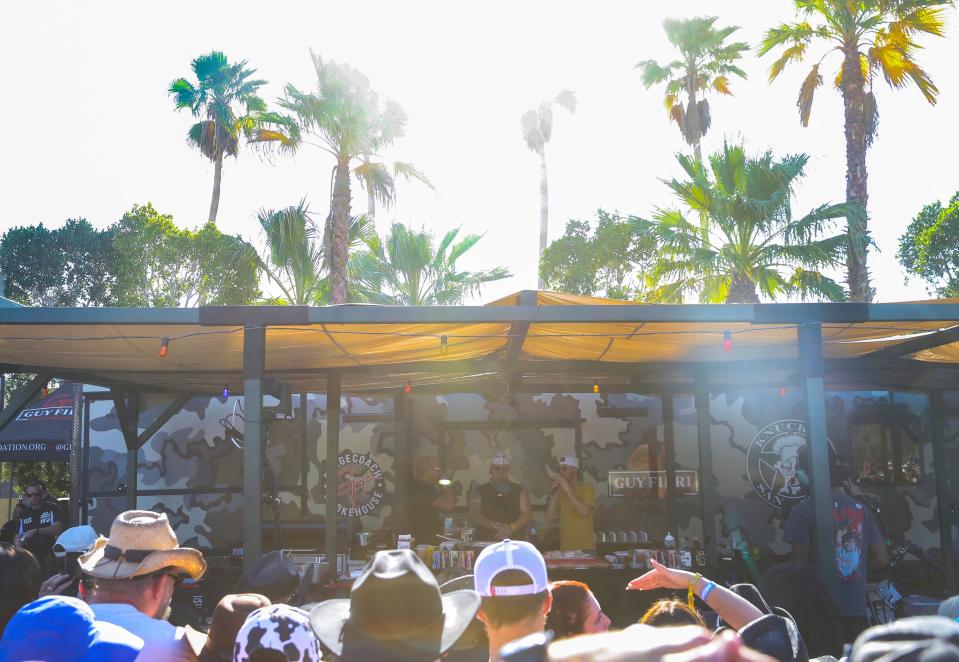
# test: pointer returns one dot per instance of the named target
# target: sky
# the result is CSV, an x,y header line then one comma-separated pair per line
x,y
91,130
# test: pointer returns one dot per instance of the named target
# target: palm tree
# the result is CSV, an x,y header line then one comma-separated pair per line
x,y
408,269
226,97
537,126
350,122
872,36
706,63
753,244
296,258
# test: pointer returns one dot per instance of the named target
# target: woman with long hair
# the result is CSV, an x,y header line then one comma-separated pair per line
x,y
575,610
797,588
20,579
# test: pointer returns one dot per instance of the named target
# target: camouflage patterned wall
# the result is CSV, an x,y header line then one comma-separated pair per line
x,y
755,435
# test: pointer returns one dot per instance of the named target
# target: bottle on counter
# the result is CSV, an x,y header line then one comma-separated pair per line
x,y
685,554
669,542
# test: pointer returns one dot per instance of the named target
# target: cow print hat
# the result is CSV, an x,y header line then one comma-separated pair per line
x,y
280,628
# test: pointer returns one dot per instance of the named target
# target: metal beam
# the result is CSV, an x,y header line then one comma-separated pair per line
x,y
401,474
707,478
670,455
23,397
810,358
171,409
518,330
332,452
128,413
944,503
254,356
913,345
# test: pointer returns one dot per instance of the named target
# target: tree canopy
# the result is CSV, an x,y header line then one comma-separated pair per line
x,y
408,268
747,242
159,264
68,266
929,248
608,258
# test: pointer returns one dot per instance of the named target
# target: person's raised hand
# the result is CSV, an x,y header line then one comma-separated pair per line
x,y
55,585
660,577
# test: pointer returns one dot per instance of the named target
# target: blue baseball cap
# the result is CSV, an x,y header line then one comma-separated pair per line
x,y
61,628
510,555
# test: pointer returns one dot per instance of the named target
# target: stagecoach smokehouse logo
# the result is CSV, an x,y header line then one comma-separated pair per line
x,y
360,484
772,462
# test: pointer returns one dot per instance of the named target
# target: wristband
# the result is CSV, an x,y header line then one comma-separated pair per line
x,y
707,589
690,594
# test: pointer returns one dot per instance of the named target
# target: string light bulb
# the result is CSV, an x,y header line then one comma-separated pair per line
x,y
782,391
444,345
226,391
727,341
407,388
164,346
595,388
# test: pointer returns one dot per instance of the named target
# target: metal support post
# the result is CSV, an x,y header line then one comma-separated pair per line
x,y
76,455
304,454
944,504
670,455
707,484
254,351
810,362
401,462
332,452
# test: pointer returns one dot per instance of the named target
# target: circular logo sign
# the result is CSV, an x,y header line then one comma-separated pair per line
x,y
772,462
360,485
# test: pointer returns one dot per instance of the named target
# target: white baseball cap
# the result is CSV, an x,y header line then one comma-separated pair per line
x,y
569,461
76,539
509,555
500,459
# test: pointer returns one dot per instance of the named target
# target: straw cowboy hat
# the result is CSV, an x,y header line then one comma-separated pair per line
x,y
141,542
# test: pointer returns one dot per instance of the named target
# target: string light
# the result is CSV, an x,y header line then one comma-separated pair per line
x,y
595,388
727,341
407,388
226,391
164,346
782,391
444,345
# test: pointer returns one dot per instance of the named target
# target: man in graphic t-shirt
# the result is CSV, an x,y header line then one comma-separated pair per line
x,y
856,536
40,522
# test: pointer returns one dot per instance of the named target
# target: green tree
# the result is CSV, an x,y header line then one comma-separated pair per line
x,y
753,244
226,98
929,248
872,37
611,260
352,124
296,254
408,268
68,266
537,126
159,264
705,64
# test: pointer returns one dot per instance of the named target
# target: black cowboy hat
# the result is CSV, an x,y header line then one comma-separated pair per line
x,y
273,575
395,612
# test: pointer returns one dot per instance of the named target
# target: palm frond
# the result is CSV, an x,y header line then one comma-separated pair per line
x,y
806,92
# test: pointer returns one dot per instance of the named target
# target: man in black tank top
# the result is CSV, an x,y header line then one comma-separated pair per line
x,y
500,508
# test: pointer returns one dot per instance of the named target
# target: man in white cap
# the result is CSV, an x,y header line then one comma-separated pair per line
x,y
136,570
500,508
511,578
572,502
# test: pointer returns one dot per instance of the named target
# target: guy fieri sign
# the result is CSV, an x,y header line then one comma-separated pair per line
x,y
651,484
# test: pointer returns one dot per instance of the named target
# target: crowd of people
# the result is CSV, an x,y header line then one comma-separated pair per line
x,y
111,601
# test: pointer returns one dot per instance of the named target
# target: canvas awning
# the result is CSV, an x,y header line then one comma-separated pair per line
x,y
42,430
382,343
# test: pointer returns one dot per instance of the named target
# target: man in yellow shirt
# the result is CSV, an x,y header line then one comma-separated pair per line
x,y
572,502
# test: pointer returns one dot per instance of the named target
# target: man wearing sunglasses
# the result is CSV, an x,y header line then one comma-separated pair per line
x,y
40,521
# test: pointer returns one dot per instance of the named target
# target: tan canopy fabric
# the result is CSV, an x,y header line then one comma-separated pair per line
x,y
206,357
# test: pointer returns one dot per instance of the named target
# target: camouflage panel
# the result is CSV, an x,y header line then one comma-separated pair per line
x,y
106,465
856,420
951,404
689,509
201,521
